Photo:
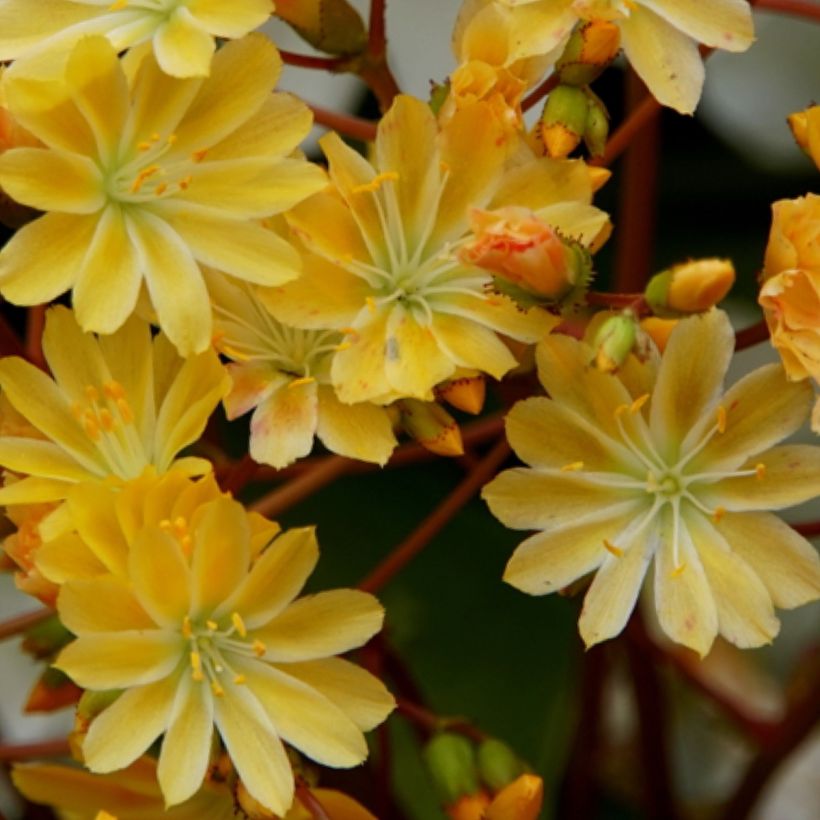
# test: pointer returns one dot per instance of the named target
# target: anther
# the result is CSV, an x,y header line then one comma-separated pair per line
x,y
718,514
217,689
91,427
259,648
172,138
760,471
160,189
196,666
721,419
678,571
609,547
199,155
239,679
126,413
376,183
212,625
301,381
106,420
91,393
239,624
144,146
620,410
114,390
638,403
572,468
343,346
349,331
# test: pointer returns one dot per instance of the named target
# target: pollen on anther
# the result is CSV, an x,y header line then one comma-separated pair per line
x,y
718,514
371,304
638,403
217,689
198,156
126,413
259,648
239,624
106,420
91,393
620,410
212,625
760,471
196,666
721,419
239,679
610,547
91,426
678,571
114,390
187,632
573,467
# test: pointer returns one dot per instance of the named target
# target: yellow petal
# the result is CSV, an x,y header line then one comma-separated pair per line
x,y
93,513
538,28
31,456
283,426
106,604
360,695
67,558
501,314
317,626
231,21
725,24
786,563
470,345
41,260
358,372
28,174
361,431
182,46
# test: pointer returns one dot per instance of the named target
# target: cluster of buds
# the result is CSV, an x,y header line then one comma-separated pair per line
x,y
484,782
573,112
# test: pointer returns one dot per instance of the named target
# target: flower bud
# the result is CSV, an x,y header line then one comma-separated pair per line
x,y
520,248
464,393
431,426
597,129
659,330
451,760
614,341
590,49
521,800
332,26
498,764
469,807
564,120
53,690
690,287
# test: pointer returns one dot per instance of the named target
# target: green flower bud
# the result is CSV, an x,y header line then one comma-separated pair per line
x,y
590,49
451,761
498,764
564,120
614,341
597,129
431,426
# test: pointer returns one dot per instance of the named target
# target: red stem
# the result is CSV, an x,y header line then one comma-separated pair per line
x,y
21,623
25,751
309,800
752,335
35,323
345,123
377,30
538,94
334,64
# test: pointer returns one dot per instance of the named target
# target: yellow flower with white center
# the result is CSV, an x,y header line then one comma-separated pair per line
x,y
284,373
202,634
116,406
40,33
384,267
134,794
660,37
157,176
683,475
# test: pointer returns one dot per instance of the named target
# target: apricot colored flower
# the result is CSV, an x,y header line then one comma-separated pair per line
x,y
200,634
682,475
116,406
283,374
134,794
384,267
156,176
805,126
660,37
180,32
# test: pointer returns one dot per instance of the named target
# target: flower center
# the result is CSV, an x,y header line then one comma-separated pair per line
x,y
212,647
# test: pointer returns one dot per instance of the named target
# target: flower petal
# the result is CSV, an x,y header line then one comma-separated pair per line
x,y
472,346
186,747
68,558
786,563
361,431
106,604
231,21
549,561
360,695
125,730
31,456
725,24
317,626
538,28
182,46
93,514
358,372
122,659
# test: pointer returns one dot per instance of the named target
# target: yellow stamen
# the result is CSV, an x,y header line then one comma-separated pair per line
x,y
160,189
376,182
638,403
760,471
343,346
371,304
721,419
572,468
126,413
303,380
77,410
212,625
180,526
196,666
609,547
349,331
217,689
91,392
144,174
106,420
143,146
185,182
114,390
239,679
91,427
155,137
718,514
678,571
620,410
199,155
239,624
187,632
259,648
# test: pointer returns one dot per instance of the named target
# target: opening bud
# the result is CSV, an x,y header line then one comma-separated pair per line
x,y
564,120
590,49
690,287
614,341
431,426
53,690
451,761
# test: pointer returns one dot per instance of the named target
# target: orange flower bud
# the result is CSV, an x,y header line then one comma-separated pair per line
x,y
659,330
805,127
465,393
521,800
690,287
431,426
590,49
469,807
516,245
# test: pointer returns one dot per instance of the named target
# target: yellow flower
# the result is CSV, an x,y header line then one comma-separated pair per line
x,y
805,126
384,266
156,176
134,794
181,32
197,634
794,239
683,475
284,373
116,406
659,37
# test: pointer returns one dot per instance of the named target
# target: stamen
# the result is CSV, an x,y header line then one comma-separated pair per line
x,y
144,146
198,156
114,390
721,419
343,346
172,138
217,689
678,571
760,471
126,413
160,189
239,679
376,183
212,625
573,467
90,425
638,403
106,420
187,632
610,547
92,394
718,514
196,666
349,331
301,381
259,648
239,624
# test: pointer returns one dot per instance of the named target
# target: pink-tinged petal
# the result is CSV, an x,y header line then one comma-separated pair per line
x,y
221,554
174,281
361,431
243,73
106,604
186,747
99,89
549,561
275,579
684,599
725,24
413,361
690,378
667,60
40,262
283,426
27,175
614,590
93,514
358,372
786,563
304,718
159,572
744,607
109,280
779,478
472,346
254,747
182,46
360,695
120,660
251,384
127,728
527,499
317,626
232,21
